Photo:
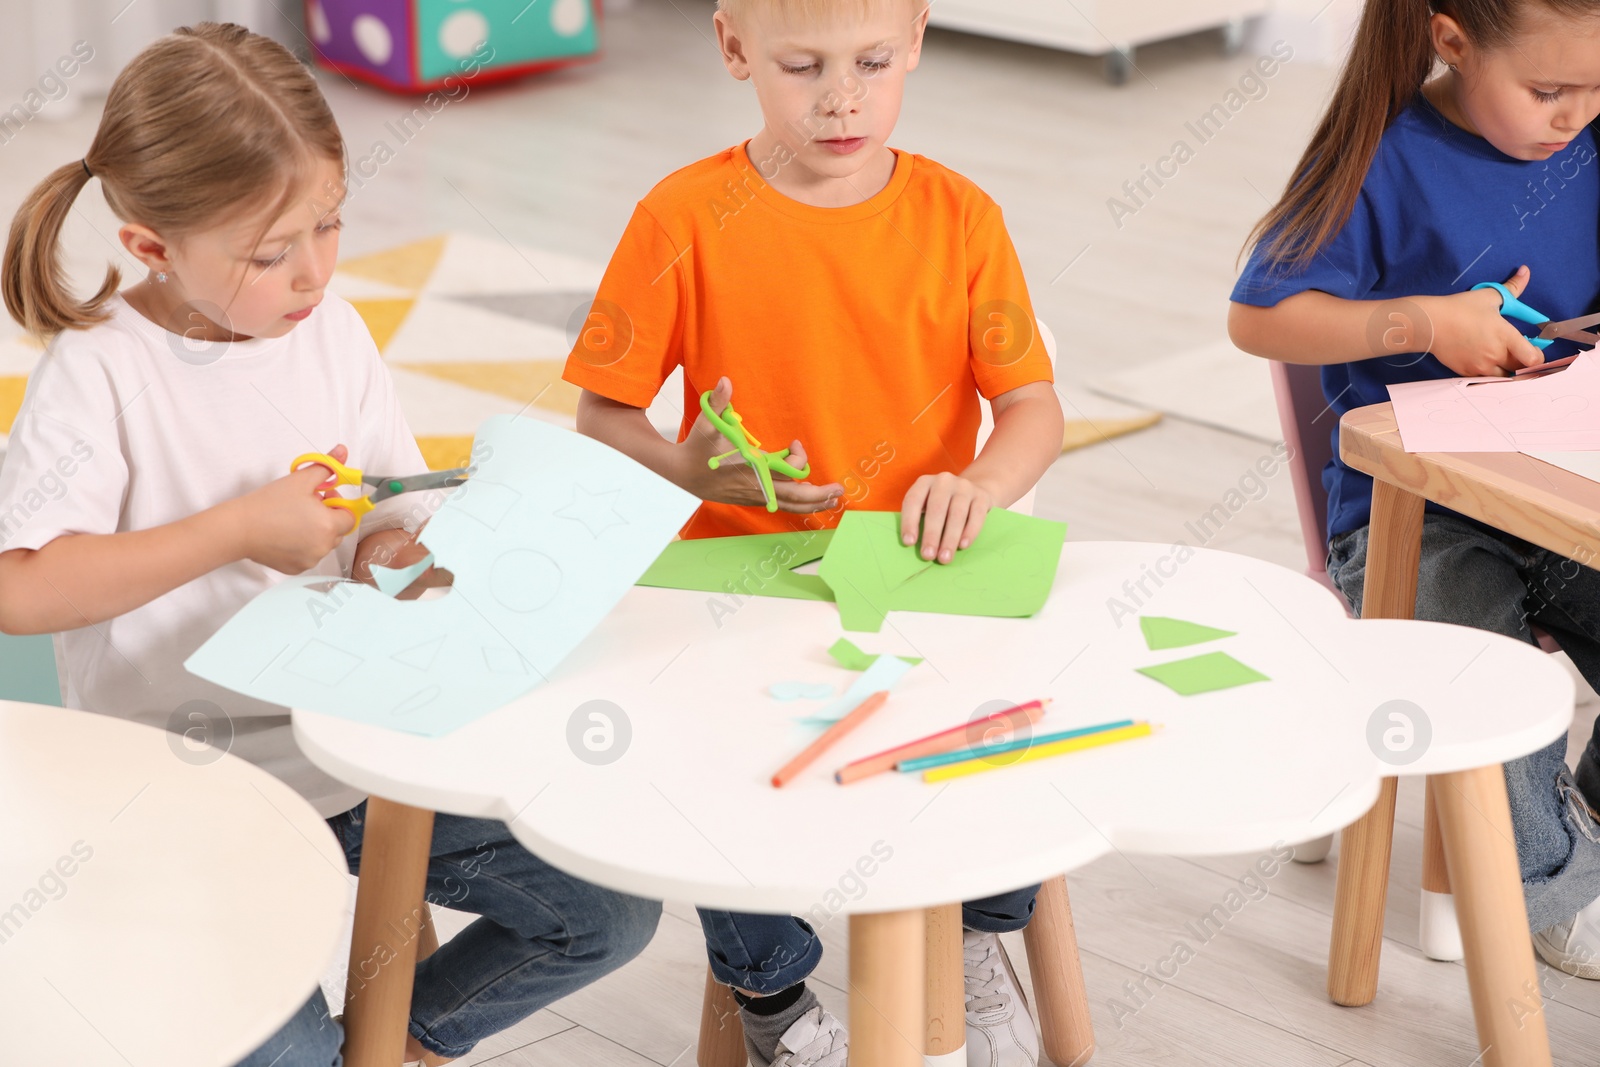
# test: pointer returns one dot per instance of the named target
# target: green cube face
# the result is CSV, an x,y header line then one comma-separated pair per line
x,y
468,37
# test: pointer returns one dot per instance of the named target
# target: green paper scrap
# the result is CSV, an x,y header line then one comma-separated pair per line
x,y
851,658
1007,572
754,565
1203,674
1163,633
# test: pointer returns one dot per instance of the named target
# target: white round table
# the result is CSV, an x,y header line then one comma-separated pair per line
x,y
685,810
159,904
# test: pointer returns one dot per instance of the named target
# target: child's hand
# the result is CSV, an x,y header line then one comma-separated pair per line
x,y
397,549
950,510
1473,339
286,526
733,482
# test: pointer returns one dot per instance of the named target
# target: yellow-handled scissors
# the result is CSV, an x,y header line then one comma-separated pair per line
x,y
383,487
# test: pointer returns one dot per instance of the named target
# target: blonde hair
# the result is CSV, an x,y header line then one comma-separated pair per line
x,y
810,11
208,122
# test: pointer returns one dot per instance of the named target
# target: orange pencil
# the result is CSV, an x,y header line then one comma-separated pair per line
x,y
957,737
856,717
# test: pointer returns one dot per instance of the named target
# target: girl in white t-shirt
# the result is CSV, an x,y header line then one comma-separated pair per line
x,y
143,498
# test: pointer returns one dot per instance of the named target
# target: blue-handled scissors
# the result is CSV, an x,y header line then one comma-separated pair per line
x,y
383,487
1571,329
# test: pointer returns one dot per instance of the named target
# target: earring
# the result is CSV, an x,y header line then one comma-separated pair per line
x,y
161,276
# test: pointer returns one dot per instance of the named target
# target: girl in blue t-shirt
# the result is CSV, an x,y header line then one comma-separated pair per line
x,y
1415,187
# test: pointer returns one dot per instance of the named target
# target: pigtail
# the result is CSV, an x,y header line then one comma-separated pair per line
x,y
1391,58
32,279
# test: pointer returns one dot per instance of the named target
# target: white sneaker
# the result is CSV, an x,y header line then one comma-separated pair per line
x,y
1573,946
816,1039
1000,1032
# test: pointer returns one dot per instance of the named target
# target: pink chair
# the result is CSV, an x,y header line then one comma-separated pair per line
x,y
1308,422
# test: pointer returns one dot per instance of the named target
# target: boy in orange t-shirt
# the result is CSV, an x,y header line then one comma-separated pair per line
x,y
863,299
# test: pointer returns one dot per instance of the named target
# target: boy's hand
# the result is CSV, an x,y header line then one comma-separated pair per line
x,y
733,482
950,510
1472,338
286,526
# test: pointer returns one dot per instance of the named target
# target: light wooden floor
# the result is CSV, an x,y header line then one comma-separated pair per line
x,y
559,162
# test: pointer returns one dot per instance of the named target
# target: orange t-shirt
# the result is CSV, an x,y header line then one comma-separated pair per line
x,y
867,332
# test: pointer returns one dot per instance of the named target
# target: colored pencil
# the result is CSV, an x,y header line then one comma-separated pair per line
x,y
1072,744
991,751
944,741
857,715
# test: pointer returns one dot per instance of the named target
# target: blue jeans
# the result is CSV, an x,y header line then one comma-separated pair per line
x,y
1476,576
767,954
541,934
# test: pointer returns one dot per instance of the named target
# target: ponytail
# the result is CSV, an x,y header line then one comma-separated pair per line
x,y
1390,59
32,279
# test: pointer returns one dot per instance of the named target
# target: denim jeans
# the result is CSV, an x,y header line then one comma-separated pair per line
x,y
767,954
541,934
1476,576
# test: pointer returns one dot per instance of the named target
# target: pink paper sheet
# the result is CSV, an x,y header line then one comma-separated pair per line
x,y
1556,412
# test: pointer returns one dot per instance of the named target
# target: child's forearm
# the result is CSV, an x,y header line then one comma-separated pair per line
x,y
85,579
628,430
1025,441
1315,328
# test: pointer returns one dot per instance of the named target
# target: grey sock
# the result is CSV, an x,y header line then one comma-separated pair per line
x,y
763,1032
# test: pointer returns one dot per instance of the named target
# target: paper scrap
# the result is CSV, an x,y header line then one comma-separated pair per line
x,y
1203,674
754,565
1007,572
787,691
1555,412
543,540
882,675
392,581
1163,633
851,658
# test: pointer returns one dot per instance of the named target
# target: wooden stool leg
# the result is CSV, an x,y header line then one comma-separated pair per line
x,y
1058,989
1439,935
1475,818
383,949
1394,550
947,1002
888,975
721,1032
1360,894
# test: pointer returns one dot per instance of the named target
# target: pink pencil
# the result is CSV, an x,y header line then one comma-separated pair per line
x,y
944,741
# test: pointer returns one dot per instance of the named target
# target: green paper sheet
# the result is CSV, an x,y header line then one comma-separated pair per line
x,y
1203,674
1007,572
847,655
1162,633
756,565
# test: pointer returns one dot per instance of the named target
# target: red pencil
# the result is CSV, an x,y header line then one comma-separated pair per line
x,y
856,717
944,741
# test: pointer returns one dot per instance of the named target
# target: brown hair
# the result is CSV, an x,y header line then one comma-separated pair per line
x,y
809,11
1391,58
206,122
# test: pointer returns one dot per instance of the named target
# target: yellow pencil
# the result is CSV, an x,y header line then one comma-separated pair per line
x,y
1055,748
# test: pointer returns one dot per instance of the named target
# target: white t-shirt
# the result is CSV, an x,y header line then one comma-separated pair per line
x,y
123,428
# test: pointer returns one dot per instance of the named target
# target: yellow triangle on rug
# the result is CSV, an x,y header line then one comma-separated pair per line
x,y
383,317
409,266
534,381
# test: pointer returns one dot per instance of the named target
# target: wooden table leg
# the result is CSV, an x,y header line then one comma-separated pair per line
x,y
888,957
1475,818
1440,937
388,928
1394,549
721,1030
947,1002
1058,990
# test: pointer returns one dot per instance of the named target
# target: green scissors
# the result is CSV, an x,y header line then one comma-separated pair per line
x,y
732,426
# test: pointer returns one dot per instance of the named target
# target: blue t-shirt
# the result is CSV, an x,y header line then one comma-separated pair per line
x,y
1440,210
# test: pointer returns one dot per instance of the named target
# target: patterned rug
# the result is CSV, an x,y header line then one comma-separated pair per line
x,y
473,327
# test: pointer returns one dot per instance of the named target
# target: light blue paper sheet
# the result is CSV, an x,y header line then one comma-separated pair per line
x,y
544,539
392,581
883,674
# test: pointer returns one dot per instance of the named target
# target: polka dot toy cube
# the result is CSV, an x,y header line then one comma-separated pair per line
x,y
420,45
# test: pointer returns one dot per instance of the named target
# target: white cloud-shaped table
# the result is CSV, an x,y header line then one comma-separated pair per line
x,y
684,810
